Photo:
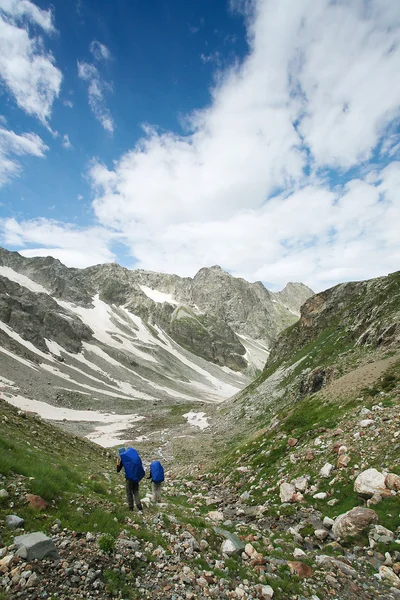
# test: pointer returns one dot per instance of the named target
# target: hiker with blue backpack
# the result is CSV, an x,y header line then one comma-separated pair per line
x,y
157,478
130,460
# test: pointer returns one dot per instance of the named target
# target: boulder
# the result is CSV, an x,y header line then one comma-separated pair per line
x,y
326,470
236,546
389,575
343,461
292,442
321,534
379,534
392,481
286,492
35,546
309,455
371,482
266,592
4,494
366,422
332,563
36,502
14,522
216,516
302,570
354,522
300,483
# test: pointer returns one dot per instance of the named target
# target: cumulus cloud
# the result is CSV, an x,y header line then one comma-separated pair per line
x,y
12,145
66,143
272,179
96,90
99,51
26,68
75,247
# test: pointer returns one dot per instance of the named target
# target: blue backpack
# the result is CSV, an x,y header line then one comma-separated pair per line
x,y
132,464
157,472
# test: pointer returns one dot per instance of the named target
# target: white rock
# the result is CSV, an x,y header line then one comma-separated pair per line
x,y
364,412
216,516
4,494
326,470
300,483
387,574
328,522
321,534
228,547
366,422
320,496
286,492
249,549
370,482
298,553
267,591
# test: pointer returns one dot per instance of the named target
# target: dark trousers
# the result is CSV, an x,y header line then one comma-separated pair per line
x,y
132,493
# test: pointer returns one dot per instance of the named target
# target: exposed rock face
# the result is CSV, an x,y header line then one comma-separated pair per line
x,y
354,522
351,310
207,314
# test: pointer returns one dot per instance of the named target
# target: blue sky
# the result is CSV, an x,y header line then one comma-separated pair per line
x,y
262,136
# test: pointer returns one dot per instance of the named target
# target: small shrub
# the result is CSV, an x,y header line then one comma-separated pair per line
x,y
107,543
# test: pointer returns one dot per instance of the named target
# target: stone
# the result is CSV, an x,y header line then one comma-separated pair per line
x,y
328,522
309,456
292,442
376,498
298,553
343,461
320,496
36,502
236,547
14,522
286,492
300,569
300,483
326,470
342,449
371,482
379,534
35,546
321,534
229,548
4,494
389,575
366,422
203,545
32,580
364,412
245,496
353,522
267,592
392,481
216,516
249,549
6,562
329,562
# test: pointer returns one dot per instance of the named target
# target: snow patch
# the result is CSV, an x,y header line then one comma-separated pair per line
x,y
27,363
22,280
104,435
197,419
157,296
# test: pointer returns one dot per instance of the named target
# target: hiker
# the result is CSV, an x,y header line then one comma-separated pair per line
x,y
134,473
157,478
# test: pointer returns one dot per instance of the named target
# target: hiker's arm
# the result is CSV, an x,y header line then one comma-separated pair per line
x,y
119,466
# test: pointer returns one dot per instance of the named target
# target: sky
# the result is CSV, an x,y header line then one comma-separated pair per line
x,y
167,135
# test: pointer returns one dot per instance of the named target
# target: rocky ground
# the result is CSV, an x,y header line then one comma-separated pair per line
x,y
264,524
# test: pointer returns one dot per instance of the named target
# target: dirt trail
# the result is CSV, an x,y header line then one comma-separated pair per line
x,y
360,378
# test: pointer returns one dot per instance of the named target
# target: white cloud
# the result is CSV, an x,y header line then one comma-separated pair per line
x,y
11,145
99,51
258,182
96,89
26,68
66,143
75,247
24,8
68,103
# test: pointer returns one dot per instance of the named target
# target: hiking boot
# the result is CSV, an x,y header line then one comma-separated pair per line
x,y
140,508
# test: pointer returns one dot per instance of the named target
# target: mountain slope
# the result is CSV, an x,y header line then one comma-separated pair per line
x,y
129,342
340,329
